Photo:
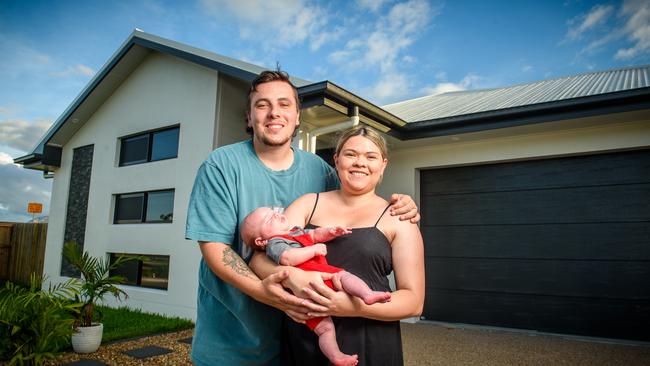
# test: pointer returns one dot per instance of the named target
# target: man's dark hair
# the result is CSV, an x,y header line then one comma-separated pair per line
x,y
267,77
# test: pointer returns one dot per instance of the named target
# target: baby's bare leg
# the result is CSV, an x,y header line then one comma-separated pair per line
x,y
329,347
355,286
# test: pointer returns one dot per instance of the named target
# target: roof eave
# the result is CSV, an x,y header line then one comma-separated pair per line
x,y
328,89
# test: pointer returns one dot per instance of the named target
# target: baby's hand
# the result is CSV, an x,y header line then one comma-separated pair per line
x,y
320,249
339,230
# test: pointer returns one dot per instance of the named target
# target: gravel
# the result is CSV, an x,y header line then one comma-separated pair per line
x,y
112,353
428,344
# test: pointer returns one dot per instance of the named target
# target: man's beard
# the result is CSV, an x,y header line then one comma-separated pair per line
x,y
264,139
269,142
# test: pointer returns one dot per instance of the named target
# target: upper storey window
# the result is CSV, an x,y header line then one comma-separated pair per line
x,y
149,146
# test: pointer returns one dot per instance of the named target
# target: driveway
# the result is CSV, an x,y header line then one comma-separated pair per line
x,y
434,344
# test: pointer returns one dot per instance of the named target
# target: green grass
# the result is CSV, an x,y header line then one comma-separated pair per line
x,y
123,323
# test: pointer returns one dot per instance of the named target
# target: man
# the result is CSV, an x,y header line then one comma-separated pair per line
x,y
236,323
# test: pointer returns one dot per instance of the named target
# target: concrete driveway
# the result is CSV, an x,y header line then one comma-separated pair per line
x,y
435,344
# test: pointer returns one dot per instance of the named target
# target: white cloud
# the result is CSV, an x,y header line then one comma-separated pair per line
x,y
74,70
22,135
390,36
382,48
5,158
468,82
637,28
526,68
585,22
13,195
322,38
389,88
372,5
600,29
18,60
279,24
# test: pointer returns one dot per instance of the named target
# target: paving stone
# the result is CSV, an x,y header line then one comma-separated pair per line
x,y
186,340
148,351
84,362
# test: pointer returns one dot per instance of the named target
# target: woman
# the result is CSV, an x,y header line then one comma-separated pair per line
x,y
379,243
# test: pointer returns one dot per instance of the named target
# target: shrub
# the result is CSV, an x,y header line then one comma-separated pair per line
x,y
35,324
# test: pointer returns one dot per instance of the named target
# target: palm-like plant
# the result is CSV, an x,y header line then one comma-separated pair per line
x,y
96,280
35,324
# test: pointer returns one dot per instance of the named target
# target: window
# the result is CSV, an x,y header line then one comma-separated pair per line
x,y
139,207
149,146
152,271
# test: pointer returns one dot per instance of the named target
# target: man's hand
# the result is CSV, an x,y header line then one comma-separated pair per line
x,y
275,295
402,205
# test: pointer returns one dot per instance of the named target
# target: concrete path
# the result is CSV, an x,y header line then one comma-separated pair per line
x,y
434,344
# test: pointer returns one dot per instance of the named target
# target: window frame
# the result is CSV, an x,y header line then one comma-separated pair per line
x,y
140,266
150,139
145,204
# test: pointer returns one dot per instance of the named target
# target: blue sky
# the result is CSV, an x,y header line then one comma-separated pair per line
x,y
385,51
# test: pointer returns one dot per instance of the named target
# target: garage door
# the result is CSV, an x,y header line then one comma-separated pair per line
x,y
557,245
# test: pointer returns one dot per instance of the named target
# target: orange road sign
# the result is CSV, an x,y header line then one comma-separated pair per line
x,y
34,207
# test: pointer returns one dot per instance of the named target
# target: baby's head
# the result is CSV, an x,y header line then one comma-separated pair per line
x,y
262,224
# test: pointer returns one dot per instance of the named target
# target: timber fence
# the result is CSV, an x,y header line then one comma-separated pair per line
x,y
22,251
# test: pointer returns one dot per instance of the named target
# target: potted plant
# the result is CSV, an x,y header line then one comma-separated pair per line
x,y
95,283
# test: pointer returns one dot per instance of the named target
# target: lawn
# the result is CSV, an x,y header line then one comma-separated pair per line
x,y
123,323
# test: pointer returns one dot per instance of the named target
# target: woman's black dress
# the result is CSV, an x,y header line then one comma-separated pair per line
x,y
366,253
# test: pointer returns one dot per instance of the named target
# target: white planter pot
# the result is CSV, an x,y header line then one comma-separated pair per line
x,y
87,339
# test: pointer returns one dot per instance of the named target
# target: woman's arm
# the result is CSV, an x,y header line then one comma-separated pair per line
x,y
406,301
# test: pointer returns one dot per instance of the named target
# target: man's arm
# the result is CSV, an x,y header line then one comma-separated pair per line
x,y
297,279
231,268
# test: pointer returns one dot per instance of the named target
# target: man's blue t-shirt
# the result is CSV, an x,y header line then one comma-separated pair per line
x,y
232,328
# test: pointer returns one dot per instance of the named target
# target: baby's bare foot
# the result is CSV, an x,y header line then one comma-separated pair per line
x,y
376,296
347,360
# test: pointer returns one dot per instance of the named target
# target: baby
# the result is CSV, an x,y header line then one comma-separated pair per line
x,y
265,229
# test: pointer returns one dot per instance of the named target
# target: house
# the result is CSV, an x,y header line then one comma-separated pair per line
x,y
535,198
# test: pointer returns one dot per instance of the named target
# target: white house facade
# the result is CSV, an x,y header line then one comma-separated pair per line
x,y
535,198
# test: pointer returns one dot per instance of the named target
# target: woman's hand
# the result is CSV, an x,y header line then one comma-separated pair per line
x,y
402,205
297,280
338,303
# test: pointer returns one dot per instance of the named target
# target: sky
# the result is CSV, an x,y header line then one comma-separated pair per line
x,y
385,51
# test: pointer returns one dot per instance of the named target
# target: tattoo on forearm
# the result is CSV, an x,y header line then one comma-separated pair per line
x,y
233,260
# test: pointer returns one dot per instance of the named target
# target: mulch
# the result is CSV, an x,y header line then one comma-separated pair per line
x,y
424,344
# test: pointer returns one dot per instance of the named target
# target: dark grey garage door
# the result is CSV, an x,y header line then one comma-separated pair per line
x,y
556,245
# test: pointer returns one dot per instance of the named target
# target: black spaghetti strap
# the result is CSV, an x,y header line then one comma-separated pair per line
x,y
313,210
382,215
